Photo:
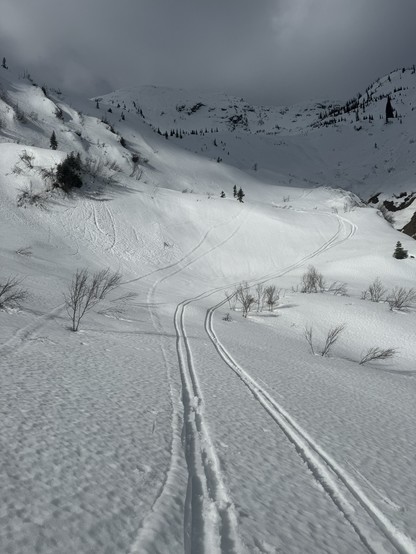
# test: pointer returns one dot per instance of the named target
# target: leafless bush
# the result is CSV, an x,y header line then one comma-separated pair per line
x,y
227,317
48,175
331,338
86,291
231,299
337,288
27,159
26,197
245,298
377,353
271,296
12,295
259,290
375,292
308,334
93,167
401,298
312,281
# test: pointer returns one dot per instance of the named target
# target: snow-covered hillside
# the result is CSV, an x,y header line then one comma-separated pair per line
x,y
345,144
169,422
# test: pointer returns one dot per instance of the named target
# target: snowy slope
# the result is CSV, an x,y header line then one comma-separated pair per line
x,y
327,142
159,426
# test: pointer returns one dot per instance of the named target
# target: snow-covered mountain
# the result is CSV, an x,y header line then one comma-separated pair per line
x,y
344,144
168,422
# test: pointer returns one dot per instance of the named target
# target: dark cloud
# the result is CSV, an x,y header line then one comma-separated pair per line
x,y
271,51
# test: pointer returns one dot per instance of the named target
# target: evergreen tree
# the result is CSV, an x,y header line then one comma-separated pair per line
x,y
240,195
235,191
400,253
4,64
53,143
222,194
389,110
97,105
67,172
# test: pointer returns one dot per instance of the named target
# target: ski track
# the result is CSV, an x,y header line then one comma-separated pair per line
x,y
210,522
169,497
343,490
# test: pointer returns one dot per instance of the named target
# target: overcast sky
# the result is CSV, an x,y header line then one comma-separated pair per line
x,y
270,51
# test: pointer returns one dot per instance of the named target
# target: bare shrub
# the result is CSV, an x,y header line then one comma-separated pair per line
x,y
26,197
259,290
48,175
331,339
12,294
312,281
401,298
86,291
231,299
375,292
308,334
271,296
246,299
227,317
93,167
27,159
377,353
337,288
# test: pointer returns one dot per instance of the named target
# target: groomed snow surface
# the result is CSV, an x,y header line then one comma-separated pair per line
x,y
159,427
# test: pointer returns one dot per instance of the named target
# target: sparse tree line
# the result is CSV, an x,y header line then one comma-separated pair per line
x,y
237,193
180,133
85,291
333,334
246,298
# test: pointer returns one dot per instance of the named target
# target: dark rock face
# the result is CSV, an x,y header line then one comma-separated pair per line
x,y
410,228
395,207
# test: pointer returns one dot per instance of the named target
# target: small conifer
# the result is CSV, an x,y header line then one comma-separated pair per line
x,y
53,142
400,253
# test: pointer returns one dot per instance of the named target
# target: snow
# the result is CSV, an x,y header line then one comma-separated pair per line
x,y
159,426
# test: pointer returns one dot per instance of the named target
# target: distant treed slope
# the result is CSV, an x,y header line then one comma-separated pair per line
x,y
338,144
